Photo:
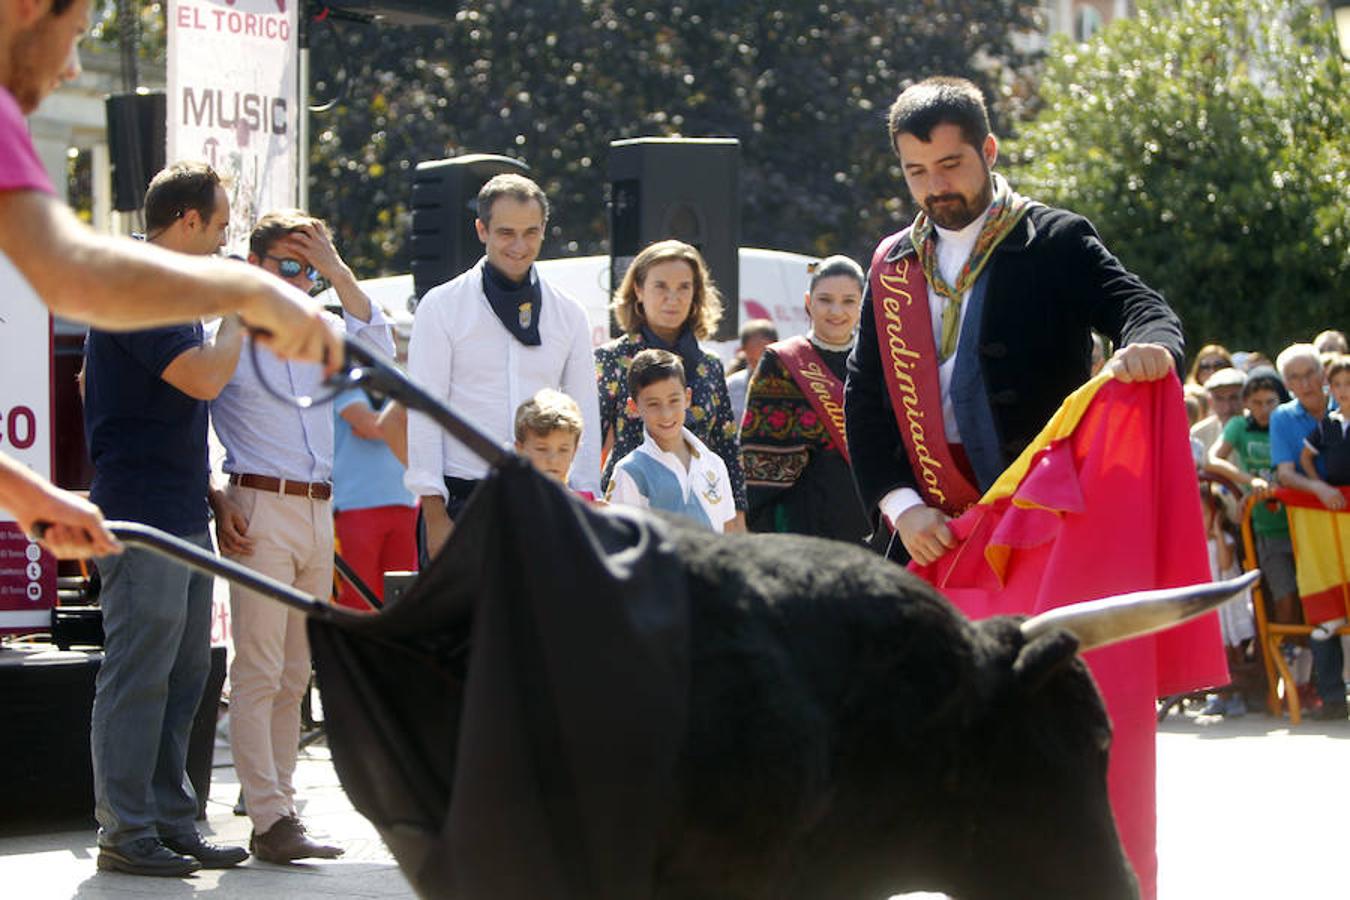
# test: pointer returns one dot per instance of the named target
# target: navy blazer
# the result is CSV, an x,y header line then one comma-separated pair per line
x,y
1049,282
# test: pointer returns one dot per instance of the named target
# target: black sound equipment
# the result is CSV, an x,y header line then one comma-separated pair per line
x,y
136,145
683,188
392,12
77,626
47,696
444,242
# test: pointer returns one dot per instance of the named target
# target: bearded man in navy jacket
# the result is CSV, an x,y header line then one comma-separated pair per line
x,y
977,322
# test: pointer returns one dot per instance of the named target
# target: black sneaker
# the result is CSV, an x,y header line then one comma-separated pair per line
x,y
1330,712
146,856
211,856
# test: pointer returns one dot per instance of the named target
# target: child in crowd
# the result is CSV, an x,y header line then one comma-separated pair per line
x,y
671,470
548,432
1249,436
1330,441
1236,622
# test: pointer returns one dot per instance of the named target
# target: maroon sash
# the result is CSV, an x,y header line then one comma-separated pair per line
x,y
910,367
821,387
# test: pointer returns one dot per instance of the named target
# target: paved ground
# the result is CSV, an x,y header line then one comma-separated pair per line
x,y
61,865
1248,808
1251,808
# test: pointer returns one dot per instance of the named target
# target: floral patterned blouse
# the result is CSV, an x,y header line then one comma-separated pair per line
x,y
710,415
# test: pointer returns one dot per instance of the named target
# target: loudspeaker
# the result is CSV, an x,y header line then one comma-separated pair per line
x,y
444,242
683,188
392,12
136,145
47,697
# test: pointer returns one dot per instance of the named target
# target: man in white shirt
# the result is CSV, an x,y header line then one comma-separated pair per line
x,y
485,343
275,517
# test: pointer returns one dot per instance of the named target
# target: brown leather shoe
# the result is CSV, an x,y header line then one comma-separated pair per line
x,y
286,841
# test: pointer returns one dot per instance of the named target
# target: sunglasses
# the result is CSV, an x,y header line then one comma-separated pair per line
x,y
289,267
1213,364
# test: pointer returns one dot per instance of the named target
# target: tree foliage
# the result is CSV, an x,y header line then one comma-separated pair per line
x,y
1206,139
106,28
803,85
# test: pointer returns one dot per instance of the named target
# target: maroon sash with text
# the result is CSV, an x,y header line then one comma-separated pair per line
x,y
909,363
821,387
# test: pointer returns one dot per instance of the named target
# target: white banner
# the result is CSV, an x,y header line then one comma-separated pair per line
x,y
233,100
27,573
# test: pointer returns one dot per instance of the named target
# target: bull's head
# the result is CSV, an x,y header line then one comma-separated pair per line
x,y
853,736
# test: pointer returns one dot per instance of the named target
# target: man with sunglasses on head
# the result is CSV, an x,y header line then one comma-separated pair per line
x,y
145,412
110,283
275,516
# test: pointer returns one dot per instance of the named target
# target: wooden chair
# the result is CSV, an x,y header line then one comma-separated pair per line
x,y
1272,635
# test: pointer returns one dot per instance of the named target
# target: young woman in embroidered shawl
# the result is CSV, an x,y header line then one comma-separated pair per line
x,y
793,451
668,300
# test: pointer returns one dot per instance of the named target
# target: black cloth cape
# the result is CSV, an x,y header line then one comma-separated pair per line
x,y
540,762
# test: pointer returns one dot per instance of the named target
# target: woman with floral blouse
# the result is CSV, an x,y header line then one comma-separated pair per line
x,y
668,300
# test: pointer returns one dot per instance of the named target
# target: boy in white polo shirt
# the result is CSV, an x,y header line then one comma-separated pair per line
x,y
671,470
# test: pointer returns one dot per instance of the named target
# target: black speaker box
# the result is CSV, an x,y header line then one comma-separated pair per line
x,y
394,12
136,145
444,242
683,188
47,697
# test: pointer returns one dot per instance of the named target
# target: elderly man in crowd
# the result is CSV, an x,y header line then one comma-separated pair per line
x,y
1290,424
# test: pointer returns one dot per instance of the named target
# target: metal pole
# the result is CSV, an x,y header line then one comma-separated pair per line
x,y
302,136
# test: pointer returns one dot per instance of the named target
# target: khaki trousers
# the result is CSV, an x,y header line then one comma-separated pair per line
x,y
293,543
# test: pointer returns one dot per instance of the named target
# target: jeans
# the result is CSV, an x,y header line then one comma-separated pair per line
x,y
1328,662
156,659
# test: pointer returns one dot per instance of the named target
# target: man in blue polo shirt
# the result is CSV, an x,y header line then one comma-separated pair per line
x,y
145,418
1290,424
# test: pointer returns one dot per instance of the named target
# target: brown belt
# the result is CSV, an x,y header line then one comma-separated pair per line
x,y
317,490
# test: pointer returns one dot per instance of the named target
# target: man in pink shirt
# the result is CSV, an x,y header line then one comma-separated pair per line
x,y
110,283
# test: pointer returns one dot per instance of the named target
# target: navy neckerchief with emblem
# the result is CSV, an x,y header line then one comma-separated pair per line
x,y
685,347
517,305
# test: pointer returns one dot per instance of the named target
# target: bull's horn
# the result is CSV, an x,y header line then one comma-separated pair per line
x,y
1097,623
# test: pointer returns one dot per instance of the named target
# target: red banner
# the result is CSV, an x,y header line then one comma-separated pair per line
x,y
909,364
822,389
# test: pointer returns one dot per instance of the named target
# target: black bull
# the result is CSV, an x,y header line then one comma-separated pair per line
x,y
651,711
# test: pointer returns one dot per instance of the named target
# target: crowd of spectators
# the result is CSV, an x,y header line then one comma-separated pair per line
x,y
1257,427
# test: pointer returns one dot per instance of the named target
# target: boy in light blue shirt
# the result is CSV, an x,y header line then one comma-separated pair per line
x,y
671,470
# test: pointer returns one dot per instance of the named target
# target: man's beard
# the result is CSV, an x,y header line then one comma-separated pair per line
x,y
27,84
956,211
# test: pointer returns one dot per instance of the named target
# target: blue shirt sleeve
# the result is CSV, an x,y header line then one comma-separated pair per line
x,y
1286,437
349,397
155,348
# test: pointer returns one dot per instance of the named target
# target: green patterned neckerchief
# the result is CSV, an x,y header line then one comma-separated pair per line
x,y
1005,211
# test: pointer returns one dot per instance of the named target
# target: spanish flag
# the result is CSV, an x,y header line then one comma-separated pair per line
x,y
1321,549
1104,501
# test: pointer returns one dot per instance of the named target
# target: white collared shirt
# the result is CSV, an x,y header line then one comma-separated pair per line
x,y
652,478
463,356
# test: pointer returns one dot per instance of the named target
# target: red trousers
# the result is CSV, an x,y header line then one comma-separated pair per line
x,y
374,541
